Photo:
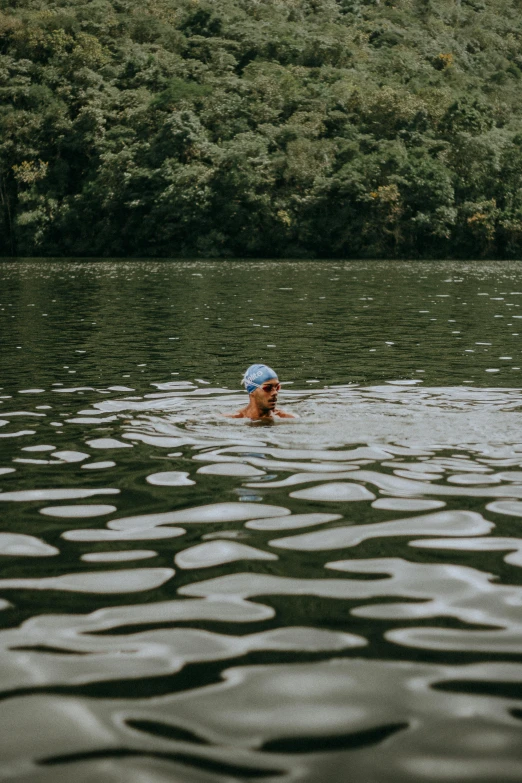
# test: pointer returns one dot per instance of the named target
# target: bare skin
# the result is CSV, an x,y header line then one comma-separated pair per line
x,y
262,404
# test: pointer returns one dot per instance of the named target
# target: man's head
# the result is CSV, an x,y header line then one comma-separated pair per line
x,y
262,384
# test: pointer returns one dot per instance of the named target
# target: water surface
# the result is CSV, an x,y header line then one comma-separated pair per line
x,y
186,597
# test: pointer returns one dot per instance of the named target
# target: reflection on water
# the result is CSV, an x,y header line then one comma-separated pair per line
x,y
189,598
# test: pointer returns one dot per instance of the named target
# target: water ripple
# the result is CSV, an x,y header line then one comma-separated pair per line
x,y
245,650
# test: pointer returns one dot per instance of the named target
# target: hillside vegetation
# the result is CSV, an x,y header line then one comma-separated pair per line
x,y
321,128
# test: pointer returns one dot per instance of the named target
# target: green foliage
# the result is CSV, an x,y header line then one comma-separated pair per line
x,y
177,92
261,128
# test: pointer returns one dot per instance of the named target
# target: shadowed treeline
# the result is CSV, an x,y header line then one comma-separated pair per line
x,y
261,128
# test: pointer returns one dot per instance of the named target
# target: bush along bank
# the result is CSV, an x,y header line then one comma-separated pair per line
x,y
281,128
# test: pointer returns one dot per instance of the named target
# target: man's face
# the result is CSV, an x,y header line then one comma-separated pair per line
x,y
266,394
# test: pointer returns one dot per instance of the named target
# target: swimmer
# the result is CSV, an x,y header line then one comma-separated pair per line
x,y
262,384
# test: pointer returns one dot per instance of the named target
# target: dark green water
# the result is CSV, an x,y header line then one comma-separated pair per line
x,y
334,322
186,597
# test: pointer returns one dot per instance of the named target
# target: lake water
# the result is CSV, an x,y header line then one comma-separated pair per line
x,y
187,598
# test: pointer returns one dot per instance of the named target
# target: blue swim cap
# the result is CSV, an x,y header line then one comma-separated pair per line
x,y
256,375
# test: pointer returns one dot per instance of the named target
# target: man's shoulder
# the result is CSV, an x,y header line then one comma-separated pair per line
x,y
284,415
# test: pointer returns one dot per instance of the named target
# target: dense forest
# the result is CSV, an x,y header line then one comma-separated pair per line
x,y
281,128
